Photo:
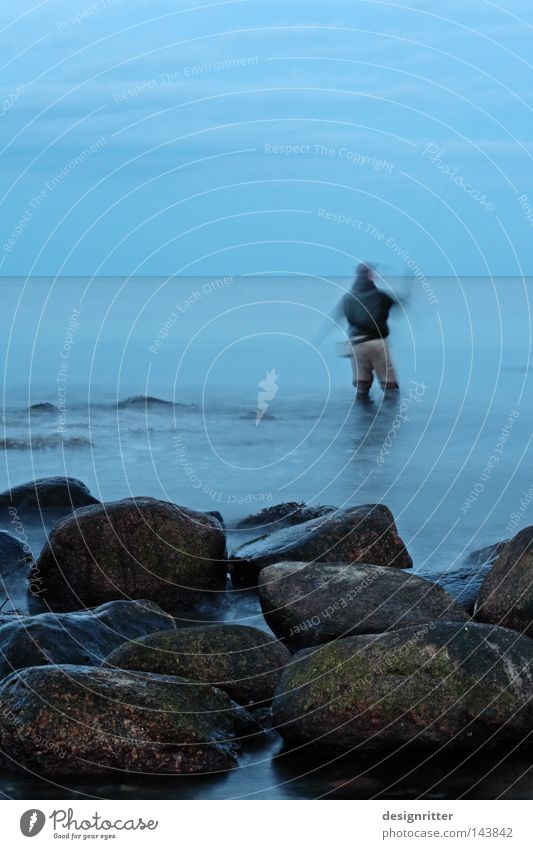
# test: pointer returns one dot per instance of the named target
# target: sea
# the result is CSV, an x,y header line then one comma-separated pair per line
x,y
233,394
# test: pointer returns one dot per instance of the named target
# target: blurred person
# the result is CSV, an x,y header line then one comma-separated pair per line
x,y
366,309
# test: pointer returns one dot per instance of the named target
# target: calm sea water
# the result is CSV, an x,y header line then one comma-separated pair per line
x,y
450,459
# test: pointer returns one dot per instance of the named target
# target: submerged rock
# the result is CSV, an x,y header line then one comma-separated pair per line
x,y
243,661
81,720
283,515
41,443
365,534
311,603
57,493
149,401
137,548
43,407
463,581
84,637
439,685
487,554
506,594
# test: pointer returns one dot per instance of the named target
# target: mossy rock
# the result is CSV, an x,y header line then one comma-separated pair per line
x,y
243,661
440,685
506,594
311,603
134,548
85,720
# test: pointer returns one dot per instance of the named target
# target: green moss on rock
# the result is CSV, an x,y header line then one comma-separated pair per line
x,y
134,548
243,661
84,720
443,684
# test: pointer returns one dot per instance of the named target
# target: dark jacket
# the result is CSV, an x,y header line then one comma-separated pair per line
x,y
367,310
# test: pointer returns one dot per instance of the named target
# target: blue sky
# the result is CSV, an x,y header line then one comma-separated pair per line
x,y
156,138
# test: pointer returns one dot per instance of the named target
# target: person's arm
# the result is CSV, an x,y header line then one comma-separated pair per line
x,y
399,300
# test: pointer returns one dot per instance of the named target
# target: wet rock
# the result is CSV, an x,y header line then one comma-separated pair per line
x,y
506,594
426,687
283,516
43,443
43,407
86,720
15,555
85,637
135,548
16,561
150,402
311,603
365,534
487,554
464,580
243,661
218,516
57,493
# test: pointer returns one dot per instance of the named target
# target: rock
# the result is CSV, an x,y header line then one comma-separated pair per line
x,y
283,516
464,581
16,561
135,548
44,442
65,494
506,594
218,516
365,534
243,661
85,637
84,720
15,555
43,407
487,554
149,402
311,603
438,685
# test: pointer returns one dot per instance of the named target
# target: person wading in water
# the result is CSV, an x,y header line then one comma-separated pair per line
x,y
366,309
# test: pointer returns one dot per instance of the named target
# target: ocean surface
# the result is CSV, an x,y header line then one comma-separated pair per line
x,y
250,405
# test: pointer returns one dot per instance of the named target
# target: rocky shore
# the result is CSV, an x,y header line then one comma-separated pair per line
x,y
355,654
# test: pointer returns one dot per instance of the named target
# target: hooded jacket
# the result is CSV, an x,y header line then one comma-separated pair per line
x,y
367,310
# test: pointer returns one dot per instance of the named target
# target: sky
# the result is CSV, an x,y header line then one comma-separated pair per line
x,y
142,137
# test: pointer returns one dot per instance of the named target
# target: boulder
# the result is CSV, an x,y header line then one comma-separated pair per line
x,y
82,720
134,548
149,402
439,685
15,555
311,603
283,515
62,494
463,581
365,534
43,407
243,661
16,561
85,637
487,554
506,594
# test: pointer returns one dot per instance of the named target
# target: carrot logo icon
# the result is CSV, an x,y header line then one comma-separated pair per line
x,y
268,389
32,822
